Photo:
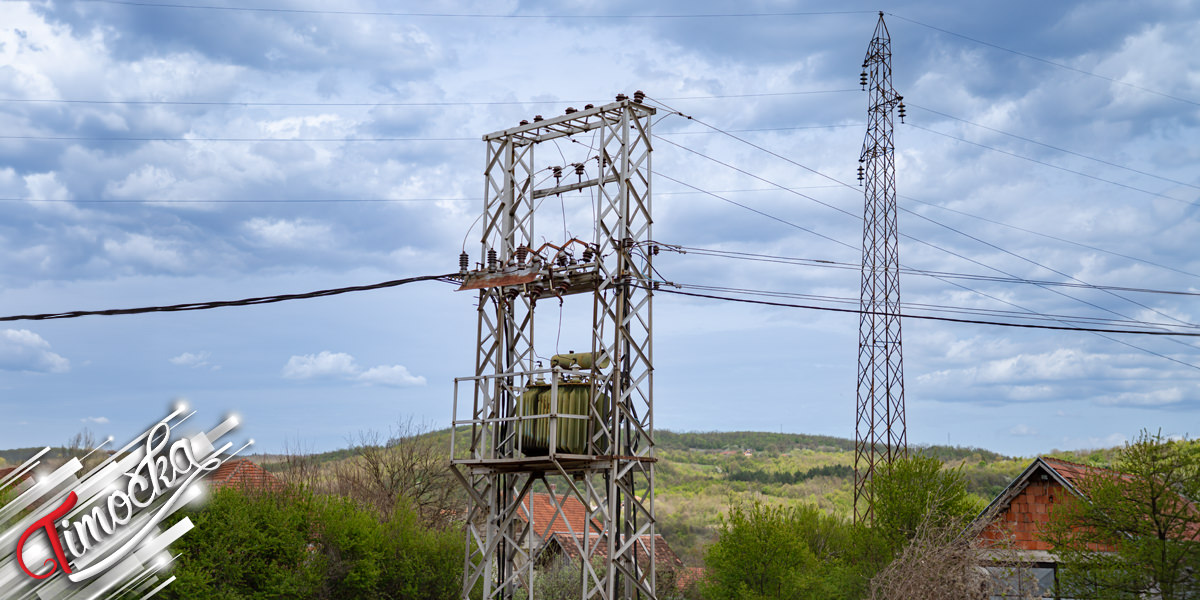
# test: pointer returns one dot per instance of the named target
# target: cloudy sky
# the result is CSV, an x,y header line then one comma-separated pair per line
x,y
155,153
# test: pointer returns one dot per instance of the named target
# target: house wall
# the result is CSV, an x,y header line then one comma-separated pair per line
x,y
1028,514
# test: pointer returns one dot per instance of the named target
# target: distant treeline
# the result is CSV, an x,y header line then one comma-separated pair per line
x,y
760,441
786,478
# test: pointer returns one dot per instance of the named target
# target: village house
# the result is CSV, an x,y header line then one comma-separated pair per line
x,y
244,475
1017,518
561,534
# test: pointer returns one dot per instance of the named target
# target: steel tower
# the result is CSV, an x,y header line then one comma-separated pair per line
x,y
523,427
879,418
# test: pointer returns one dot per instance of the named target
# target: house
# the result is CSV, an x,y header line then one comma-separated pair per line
x,y
1016,519
244,475
560,530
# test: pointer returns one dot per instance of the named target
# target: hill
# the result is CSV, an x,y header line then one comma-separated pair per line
x,y
699,473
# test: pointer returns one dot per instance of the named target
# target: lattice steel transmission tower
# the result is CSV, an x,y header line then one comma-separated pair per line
x,y
579,430
879,435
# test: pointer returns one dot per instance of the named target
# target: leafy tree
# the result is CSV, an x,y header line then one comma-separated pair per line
x,y
917,490
300,545
784,552
1141,512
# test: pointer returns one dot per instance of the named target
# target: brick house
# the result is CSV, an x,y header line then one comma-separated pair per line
x,y
244,475
560,534
1022,510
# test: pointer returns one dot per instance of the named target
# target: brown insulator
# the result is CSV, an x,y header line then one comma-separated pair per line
x,y
589,106
638,96
522,252
587,255
557,173
537,118
622,97
561,259
571,109
463,262
491,260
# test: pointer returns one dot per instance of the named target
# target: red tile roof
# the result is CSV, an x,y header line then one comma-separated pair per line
x,y
6,471
572,520
664,557
1023,509
242,474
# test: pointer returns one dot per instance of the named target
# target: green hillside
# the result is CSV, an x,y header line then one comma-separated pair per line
x,y
699,473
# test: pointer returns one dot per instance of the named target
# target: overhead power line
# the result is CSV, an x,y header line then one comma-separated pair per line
x,y
380,13
936,318
225,303
814,262
1054,166
392,104
1049,62
1055,148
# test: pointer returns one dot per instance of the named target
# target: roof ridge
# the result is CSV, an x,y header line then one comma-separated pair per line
x,y
1079,464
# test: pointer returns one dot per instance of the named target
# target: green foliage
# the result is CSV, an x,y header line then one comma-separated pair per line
x,y
759,441
243,547
785,477
298,545
1142,512
918,490
787,552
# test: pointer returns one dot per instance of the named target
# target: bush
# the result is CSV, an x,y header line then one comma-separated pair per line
x,y
297,545
788,552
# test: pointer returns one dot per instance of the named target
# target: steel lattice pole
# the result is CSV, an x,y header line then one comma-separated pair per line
x,y
879,417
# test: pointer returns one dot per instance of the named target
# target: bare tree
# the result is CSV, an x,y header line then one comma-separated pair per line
x,y
944,562
301,470
409,466
82,446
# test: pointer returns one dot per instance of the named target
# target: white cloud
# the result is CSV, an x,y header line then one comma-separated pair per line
x,y
143,249
339,365
325,364
290,233
188,359
394,375
96,420
24,350
1022,430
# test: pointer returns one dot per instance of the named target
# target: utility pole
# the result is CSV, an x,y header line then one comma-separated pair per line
x,y
579,430
879,436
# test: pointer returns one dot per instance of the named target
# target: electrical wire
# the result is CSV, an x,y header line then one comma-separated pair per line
x,y
1054,166
755,210
423,104
935,246
225,303
1047,61
1052,147
908,270
376,13
938,308
811,170
936,318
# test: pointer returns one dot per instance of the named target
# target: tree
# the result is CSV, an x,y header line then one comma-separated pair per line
x,y
1137,528
785,552
917,491
410,466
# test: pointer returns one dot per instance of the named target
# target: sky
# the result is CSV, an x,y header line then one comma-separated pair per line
x,y
167,152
